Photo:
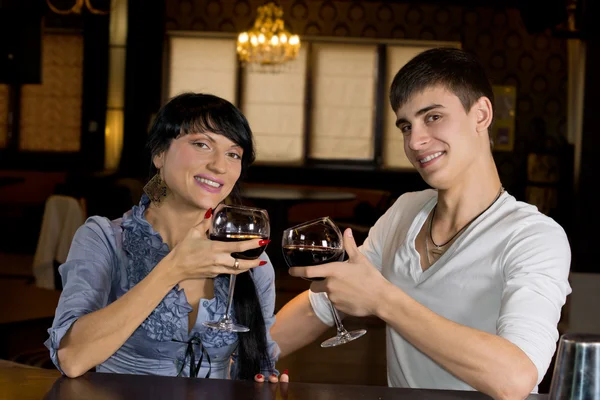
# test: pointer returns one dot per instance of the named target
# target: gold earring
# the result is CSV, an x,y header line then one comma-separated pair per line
x,y
156,189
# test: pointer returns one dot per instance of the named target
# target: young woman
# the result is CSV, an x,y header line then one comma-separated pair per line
x,y
136,290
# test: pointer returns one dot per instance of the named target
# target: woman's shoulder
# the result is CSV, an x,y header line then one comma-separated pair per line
x,y
94,248
103,223
100,229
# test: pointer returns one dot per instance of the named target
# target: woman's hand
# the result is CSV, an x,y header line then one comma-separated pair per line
x,y
198,257
262,391
284,378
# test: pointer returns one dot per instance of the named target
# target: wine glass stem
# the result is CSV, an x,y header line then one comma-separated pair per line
x,y
336,317
232,279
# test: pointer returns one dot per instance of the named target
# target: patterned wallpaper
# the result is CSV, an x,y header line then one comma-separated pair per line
x,y
535,64
51,112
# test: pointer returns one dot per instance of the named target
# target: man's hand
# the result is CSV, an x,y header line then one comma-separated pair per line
x,y
353,286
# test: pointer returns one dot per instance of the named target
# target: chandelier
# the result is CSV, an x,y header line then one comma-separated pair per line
x,y
76,8
268,43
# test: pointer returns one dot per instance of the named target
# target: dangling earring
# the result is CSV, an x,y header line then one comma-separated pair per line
x,y
156,189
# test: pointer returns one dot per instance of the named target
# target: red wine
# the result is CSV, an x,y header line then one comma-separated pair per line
x,y
305,256
251,254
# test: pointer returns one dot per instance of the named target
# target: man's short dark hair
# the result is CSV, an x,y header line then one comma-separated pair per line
x,y
454,69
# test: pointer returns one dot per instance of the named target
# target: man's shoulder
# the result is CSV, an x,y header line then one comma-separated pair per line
x,y
412,202
524,223
415,199
400,216
523,215
531,241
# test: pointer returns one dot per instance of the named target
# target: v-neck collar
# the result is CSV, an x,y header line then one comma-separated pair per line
x,y
416,271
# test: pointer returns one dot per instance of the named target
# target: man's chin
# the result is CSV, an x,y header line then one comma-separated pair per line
x,y
436,181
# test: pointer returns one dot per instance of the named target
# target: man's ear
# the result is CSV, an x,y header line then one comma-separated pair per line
x,y
484,114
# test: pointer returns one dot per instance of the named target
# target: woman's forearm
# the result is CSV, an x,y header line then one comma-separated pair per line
x,y
96,336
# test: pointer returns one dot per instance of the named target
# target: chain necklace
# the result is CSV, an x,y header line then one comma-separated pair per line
x,y
439,249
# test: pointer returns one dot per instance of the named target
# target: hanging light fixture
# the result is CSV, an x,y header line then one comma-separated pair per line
x,y
77,8
268,43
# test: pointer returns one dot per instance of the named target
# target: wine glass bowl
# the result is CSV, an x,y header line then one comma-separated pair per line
x,y
314,243
234,224
237,223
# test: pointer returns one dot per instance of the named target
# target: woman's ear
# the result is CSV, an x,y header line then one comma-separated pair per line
x,y
484,114
159,160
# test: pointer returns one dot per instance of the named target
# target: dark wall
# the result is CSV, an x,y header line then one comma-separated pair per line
x,y
585,235
143,81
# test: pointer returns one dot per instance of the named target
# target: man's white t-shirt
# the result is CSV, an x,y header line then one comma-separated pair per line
x,y
506,274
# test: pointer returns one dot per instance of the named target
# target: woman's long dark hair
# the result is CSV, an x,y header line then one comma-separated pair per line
x,y
197,113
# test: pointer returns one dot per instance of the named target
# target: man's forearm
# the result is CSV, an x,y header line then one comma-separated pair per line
x,y
488,363
296,325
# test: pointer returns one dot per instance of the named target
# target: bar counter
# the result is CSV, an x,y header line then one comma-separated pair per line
x,y
33,383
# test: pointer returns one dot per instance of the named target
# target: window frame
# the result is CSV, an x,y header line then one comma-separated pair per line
x,y
91,150
380,88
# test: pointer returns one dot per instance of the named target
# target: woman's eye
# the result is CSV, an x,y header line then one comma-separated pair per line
x,y
202,145
235,156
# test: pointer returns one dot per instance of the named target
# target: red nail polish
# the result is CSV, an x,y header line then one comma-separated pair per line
x,y
264,242
260,264
285,371
208,213
259,376
274,375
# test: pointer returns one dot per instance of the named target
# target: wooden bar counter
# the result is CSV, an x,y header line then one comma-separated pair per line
x,y
33,383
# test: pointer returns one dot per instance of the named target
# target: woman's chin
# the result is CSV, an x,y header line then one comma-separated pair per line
x,y
205,205
209,202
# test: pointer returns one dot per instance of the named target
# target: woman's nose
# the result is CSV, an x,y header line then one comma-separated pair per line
x,y
218,164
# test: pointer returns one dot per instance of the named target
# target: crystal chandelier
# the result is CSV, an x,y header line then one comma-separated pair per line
x,y
268,43
77,8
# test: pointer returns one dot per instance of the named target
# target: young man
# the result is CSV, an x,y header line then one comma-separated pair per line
x,y
469,281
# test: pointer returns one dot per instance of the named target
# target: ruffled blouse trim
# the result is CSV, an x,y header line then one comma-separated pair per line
x,y
145,249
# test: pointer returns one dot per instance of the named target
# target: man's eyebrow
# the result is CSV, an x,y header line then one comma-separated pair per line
x,y
419,113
